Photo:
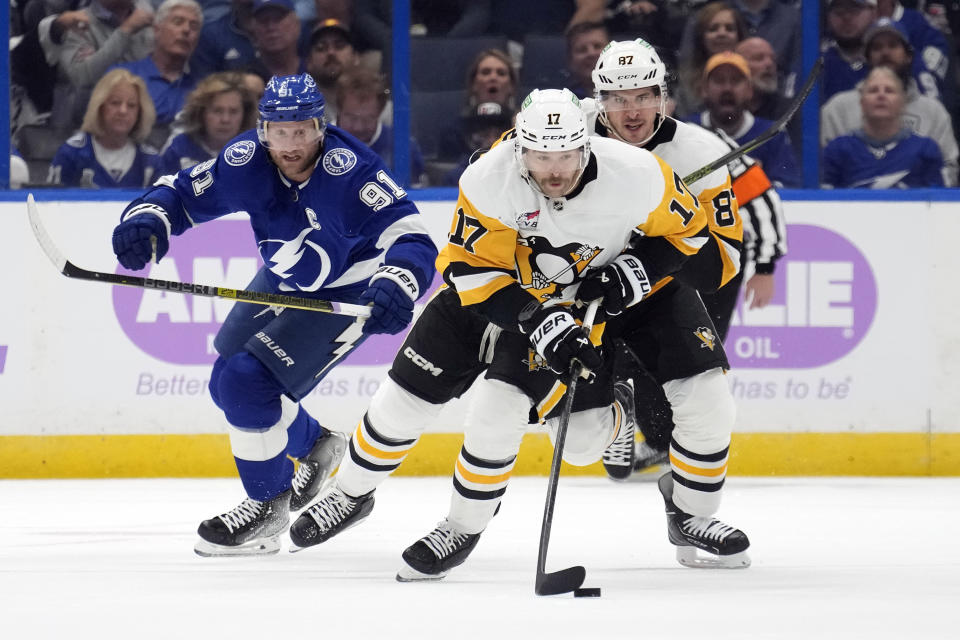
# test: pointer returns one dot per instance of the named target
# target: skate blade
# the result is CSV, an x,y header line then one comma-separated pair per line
x,y
409,574
262,547
295,548
690,557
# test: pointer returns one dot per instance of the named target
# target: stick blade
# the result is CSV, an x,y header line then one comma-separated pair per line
x,y
563,581
46,242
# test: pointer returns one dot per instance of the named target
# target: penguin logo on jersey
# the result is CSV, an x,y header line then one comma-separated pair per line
x,y
547,269
707,337
239,153
338,161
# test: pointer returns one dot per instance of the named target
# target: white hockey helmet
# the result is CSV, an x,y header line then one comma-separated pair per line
x,y
551,120
625,65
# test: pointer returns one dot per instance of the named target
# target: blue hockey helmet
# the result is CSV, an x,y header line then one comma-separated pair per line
x,y
291,99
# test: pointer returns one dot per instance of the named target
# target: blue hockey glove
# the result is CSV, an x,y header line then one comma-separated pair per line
x,y
136,239
620,284
558,339
392,292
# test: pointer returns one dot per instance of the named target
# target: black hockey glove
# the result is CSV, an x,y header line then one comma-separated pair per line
x,y
558,339
142,237
620,284
390,295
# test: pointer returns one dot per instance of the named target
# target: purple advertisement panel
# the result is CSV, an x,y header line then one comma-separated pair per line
x,y
3,357
179,329
825,302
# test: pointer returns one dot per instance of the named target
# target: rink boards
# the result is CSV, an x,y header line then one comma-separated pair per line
x,y
850,371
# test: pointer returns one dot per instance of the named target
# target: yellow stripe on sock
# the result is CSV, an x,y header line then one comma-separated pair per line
x,y
697,471
479,479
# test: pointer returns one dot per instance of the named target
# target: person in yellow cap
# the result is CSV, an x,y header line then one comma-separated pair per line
x,y
727,90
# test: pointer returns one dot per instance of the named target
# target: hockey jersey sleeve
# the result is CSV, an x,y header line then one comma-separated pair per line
x,y
389,216
674,230
478,261
765,231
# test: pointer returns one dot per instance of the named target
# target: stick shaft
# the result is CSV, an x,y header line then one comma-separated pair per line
x,y
71,270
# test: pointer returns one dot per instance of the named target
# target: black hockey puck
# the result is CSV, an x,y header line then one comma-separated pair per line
x,y
587,592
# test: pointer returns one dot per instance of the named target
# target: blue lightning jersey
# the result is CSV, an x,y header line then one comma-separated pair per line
x,y
906,161
76,165
183,152
324,237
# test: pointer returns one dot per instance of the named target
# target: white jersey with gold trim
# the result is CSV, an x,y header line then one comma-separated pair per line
x,y
506,234
687,148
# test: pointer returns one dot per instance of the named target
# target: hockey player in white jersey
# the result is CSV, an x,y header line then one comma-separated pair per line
x,y
547,218
629,102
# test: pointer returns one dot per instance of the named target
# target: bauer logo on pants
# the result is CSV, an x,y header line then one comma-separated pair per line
x,y
824,304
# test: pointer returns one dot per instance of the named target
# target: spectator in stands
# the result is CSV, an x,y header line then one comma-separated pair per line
x,y
480,128
883,154
516,20
361,98
331,53
33,65
373,19
216,111
585,41
769,100
779,24
716,27
165,71
254,84
888,46
276,30
116,31
931,65
844,62
727,91
226,44
107,151
659,23
490,78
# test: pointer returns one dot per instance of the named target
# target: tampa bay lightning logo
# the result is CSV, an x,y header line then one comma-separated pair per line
x,y
239,153
338,161
305,257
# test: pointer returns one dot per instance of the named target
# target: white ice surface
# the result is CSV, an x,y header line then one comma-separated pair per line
x,y
832,558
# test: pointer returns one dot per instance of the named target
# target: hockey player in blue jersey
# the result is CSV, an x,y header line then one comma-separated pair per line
x,y
329,223
883,154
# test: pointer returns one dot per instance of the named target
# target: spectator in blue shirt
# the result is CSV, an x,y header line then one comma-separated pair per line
x,y
165,70
361,98
216,112
727,90
884,154
844,58
108,151
226,44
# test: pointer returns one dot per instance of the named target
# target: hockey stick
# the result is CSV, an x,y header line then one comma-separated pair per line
x,y
565,580
774,129
71,270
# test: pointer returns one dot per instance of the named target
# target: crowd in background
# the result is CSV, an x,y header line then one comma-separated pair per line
x,y
112,93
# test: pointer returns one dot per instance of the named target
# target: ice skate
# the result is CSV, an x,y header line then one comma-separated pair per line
x,y
721,545
435,554
315,468
649,463
618,458
335,512
249,529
